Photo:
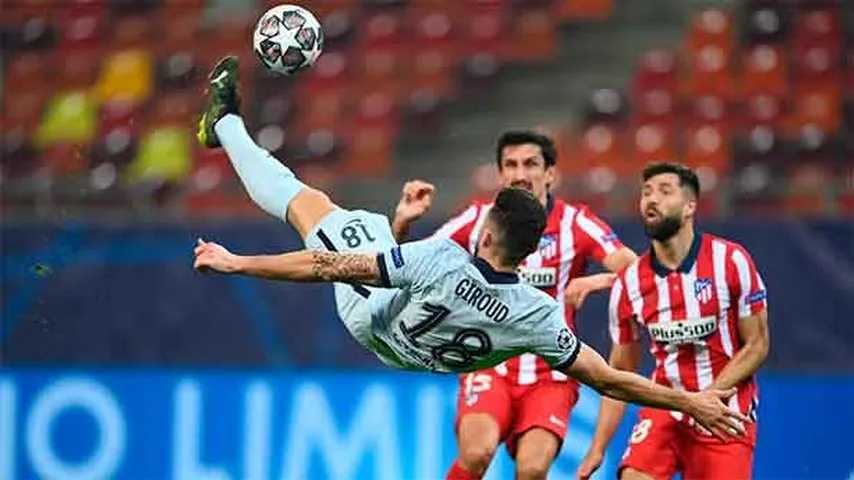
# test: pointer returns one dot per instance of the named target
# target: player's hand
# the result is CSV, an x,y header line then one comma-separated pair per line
x,y
589,464
577,291
212,256
579,288
710,411
415,200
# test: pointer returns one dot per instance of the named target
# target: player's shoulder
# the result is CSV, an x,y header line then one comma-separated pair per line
x,y
468,214
731,246
641,261
450,252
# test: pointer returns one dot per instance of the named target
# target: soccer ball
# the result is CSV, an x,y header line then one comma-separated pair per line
x,y
287,39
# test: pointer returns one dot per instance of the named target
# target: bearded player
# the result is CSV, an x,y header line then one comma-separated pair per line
x,y
523,402
704,306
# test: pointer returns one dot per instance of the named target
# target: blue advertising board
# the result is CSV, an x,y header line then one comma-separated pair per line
x,y
238,424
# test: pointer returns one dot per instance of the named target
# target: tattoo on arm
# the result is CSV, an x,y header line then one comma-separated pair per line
x,y
345,267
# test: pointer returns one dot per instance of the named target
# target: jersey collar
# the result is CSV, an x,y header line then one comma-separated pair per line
x,y
550,204
491,275
687,263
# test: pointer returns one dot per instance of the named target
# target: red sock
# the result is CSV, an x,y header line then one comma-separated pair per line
x,y
457,472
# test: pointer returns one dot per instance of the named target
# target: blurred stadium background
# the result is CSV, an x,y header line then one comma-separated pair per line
x,y
119,362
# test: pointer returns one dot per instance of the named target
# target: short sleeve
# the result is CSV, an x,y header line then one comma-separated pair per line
x,y
415,262
554,342
747,285
594,236
621,322
459,228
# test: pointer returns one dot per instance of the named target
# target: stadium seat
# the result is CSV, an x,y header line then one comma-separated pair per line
x,y
24,109
324,110
78,68
69,118
132,31
532,36
764,70
707,147
652,142
819,106
711,27
601,145
379,66
763,109
818,24
765,23
433,71
656,70
484,33
655,105
369,152
164,155
27,69
382,29
584,10
709,72
179,107
126,75
82,24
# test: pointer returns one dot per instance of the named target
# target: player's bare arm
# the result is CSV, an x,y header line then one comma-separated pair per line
x,y
579,288
707,407
415,200
624,357
754,333
300,266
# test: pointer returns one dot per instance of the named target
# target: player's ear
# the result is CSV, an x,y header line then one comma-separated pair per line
x,y
551,175
690,207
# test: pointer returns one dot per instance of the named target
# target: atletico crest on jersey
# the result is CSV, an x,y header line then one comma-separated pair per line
x,y
548,246
703,289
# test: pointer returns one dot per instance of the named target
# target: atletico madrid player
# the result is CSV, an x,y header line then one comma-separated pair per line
x,y
704,305
522,401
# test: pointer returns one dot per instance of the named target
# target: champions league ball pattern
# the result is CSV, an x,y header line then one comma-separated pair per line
x,y
288,39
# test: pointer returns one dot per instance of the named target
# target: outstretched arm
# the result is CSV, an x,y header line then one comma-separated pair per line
x,y
415,200
706,406
299,266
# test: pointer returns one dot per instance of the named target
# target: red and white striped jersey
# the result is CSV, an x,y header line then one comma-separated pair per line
x,y
691,313
573,235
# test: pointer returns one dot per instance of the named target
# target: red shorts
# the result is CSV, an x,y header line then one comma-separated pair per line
x,y
661,445
517,408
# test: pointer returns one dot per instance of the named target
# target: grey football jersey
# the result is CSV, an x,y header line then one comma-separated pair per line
x,y
452,312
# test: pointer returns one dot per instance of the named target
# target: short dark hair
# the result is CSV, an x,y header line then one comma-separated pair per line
x,y
521,137
520,220
687,176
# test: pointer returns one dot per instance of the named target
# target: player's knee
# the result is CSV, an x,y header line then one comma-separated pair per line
x,y
532,467
629,473
532,470
475,456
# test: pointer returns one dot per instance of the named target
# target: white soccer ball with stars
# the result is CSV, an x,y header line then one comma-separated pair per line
x,y
287,39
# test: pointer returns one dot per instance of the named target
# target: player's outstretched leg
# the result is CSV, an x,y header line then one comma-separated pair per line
x,y
270,184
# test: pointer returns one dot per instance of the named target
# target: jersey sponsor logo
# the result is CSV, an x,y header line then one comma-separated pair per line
x,y
565,340
548,246
684,331
756,297
703,289
480,299
397,257
538,277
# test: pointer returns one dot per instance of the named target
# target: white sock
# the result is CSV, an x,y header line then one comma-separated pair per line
x,y
270,184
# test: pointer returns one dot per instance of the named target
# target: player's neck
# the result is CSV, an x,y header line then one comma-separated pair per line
x,y
494,262
673,251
